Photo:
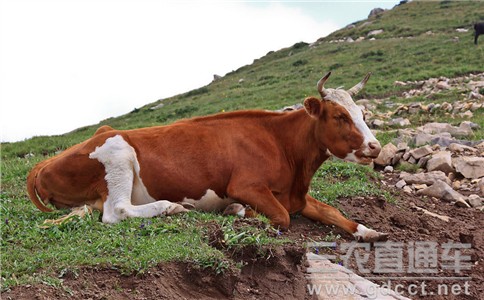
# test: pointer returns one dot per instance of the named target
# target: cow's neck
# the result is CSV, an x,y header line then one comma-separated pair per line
x,y
302,148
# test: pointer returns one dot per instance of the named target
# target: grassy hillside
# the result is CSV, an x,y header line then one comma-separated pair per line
x,y
404,51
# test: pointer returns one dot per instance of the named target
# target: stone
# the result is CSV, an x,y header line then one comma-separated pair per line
x,y
441,190
442,85
376,11
407,189
469,166
419,186
349,40
399,122
441,161
388,169
422,162
423,138
399,83
387,153
467,114
375,32
396,159
455,147
157,106
461,203
428,178
474,200
400,184
421,152
463,130
480,185
377,123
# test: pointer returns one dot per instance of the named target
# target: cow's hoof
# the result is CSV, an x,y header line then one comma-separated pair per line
x,y
176,209
372,236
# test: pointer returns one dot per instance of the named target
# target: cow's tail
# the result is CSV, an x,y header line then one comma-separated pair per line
x,y
31,189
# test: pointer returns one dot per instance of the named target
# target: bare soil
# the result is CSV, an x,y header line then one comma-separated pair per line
x,y
281,275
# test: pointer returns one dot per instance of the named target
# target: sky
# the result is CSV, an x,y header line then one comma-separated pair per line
x,y
65,64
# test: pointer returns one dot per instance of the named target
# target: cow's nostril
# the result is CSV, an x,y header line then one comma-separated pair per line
x,y
375,147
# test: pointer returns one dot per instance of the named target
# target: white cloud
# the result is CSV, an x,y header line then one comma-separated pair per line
x,y
67,64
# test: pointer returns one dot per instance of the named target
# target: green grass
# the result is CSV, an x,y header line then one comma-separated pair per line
x,y
30,254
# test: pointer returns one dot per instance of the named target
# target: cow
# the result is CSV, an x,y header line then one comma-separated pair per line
x,y
478,29
243,162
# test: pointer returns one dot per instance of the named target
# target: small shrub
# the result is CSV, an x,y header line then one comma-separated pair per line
x,y
299,62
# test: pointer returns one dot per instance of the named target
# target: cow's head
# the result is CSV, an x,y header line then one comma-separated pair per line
x,y
341,126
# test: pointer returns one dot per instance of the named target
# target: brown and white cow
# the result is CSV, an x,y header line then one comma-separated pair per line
x,y
260,159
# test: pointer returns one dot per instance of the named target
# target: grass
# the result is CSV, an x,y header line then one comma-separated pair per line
x,y
31,254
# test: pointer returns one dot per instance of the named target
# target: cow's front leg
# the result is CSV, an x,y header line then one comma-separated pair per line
x,y
261,199
326,214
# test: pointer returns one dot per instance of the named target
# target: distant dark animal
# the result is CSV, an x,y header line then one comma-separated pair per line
x,y
479,29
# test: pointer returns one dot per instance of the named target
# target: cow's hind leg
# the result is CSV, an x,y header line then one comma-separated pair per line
x,y
318,211
121,167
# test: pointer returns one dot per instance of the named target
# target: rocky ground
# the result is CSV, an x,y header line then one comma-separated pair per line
x,y
435,172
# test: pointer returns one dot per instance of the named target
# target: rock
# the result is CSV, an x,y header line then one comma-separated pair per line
x,y
423,138
422,162
440,161
349,40
396,159
474,200
407,189
402,147
455,147
461,203
400,184
419,186
428,178
463,130
399,83
375,32
469,166
388,169
157,106
241,80
399,122
216,77
376,11
462,30
377,123
441,190
387,153
421,152
480,185
442,85
467,114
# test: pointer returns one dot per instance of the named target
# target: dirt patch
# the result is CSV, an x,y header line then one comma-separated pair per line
x,y
280,276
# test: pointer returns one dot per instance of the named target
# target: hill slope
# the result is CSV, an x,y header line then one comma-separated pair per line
x,y
419,40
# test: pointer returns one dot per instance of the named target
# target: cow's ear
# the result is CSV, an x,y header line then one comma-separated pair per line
x,y
313,107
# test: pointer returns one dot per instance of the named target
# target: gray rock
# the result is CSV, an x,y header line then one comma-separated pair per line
x,y
463,130
376,11
428,178
157,106
480,185
423,138
375,32
421,152
396,159
399,122
400,184
475,200
441,190
387,153
388,169
440,161
469,166
377,123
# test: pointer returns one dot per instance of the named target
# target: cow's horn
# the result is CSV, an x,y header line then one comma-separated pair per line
x,y
322,91
357,88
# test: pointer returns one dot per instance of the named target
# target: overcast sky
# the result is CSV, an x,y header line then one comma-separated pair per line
x,y
71,63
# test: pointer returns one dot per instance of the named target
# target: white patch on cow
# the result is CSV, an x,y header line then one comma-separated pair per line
x,y
210,202
125,187
241,212
344,99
